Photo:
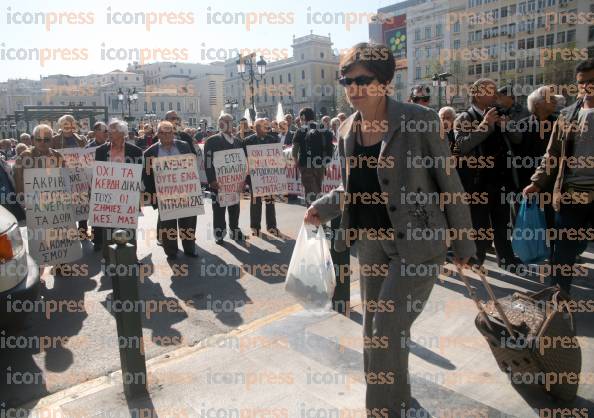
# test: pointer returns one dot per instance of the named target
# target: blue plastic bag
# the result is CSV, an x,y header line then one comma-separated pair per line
x,y
529,239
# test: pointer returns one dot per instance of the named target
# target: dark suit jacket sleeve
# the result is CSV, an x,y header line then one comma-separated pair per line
x,y
188,140
209,150
147,176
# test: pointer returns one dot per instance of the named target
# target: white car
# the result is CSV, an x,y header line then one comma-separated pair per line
x,y
19,273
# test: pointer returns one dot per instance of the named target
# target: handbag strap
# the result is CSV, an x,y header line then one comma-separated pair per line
x,y
496,303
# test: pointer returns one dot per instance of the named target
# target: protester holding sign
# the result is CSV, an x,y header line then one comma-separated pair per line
x,y
118,151
169,229
222,141
261,137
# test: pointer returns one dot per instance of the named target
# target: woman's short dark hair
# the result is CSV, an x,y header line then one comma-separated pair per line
x,y
375,58
307,113
585,66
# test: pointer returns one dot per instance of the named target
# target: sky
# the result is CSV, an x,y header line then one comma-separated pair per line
x,y
39,38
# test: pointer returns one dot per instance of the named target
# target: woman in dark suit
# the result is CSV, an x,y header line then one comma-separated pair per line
x,y
117,150
393,178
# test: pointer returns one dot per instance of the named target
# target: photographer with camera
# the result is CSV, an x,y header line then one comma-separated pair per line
x,y
479,138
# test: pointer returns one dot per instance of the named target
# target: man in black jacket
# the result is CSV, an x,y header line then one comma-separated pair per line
x,y
168,230
221,141
312,151
117,150
261,136
180,135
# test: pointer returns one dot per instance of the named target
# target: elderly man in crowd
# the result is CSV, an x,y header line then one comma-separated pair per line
x,y
116,150
447,116
99,135
224,140
261,137
285,136
25,138
169,230
178,133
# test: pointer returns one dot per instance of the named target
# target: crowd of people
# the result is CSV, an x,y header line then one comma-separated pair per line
x,y
503,153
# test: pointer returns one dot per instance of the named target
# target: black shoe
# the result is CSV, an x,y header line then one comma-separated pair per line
x,y
192,253
274,231
256,232
171,256
237,235
219,241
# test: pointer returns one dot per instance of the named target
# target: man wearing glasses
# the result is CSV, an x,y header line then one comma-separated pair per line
x,y
571,141
420,95
180,135
169,230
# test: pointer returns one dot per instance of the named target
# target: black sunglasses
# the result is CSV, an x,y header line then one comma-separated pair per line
x,y
362,80
421,98
43,139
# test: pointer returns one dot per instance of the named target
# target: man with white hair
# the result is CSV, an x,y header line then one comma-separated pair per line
x,y
447,116
224,140
169,230
117,150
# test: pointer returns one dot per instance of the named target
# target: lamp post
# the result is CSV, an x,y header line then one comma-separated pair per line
x,y
249,70
439,81
130,97
231,106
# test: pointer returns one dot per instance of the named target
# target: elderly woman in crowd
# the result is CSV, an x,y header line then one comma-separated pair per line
x,y
67,138
25,138
401,239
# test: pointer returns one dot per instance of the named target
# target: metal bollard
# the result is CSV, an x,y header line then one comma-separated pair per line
x,y
129,324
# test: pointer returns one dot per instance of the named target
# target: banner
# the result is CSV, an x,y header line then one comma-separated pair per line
x,y
79,162
268,169
294,186
177,182
51,230
231,169
115,195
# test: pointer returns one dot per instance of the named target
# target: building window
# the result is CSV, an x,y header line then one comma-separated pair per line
x,y
591,52
280,79
494,67
511,65
530,43
289,77
303,74
550,39
456,43
540,41
503,11
428,32
417,34
271,80
427,51
302,92
323,74
398,78
571,35
561,37
457,27
302,56
439,30
539,79
471,70
178,106
417,73
154,107
487,67
522,8
479,69
530,80
162,106
531,5
145,107
503,65
522,44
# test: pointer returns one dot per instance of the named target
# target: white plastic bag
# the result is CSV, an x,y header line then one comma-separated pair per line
x,y
310,277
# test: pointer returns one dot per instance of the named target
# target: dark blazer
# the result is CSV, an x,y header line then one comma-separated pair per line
x,y
93,143
213,144
132,154
397,181
288,138
148,178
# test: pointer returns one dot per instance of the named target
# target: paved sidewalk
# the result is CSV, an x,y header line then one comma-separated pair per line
x,y
299,364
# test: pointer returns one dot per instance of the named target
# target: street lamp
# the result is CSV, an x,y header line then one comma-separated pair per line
x,y
439,81
231,106
249,70
130,97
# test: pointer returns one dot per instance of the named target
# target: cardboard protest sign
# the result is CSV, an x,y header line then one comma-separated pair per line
x,y
115,195
177,182
51,230
230,169
333,177
294,186
268,169
78,163
200,162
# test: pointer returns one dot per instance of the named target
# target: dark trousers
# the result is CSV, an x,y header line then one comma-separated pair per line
x,y
256,212
312,178
218,219
169,231
569,218
495,214
342,292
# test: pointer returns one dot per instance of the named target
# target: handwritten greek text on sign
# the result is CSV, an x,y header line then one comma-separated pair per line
x,y
115,195
268,169
230,169
178,187
51,231
78,162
